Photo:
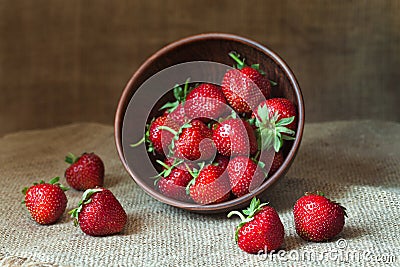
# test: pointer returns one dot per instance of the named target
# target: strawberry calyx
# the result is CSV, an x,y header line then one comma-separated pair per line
x,y
175,133
71,158
167,169
240,65
180,97
272,131
251,211
194,173
86,199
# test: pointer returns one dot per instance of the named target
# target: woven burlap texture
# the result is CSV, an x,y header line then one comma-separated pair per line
x,y
355,163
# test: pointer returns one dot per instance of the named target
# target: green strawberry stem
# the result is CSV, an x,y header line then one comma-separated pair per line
x,y
71,158
235,56
175,133
138,143
145,138
86,199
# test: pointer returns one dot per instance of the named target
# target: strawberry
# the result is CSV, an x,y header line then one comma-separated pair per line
x,y
159,135
46,202
86,171
194,142
262,229
221,161
235,137
99,213
317,218
244,175
245,87
205,102
276,121
175,178
211,186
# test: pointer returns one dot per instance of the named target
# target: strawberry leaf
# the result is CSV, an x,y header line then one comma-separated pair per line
x,y
71,158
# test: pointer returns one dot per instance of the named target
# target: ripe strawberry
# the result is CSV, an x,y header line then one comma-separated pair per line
x,y
175,178
262,229
194,142
205,102
159,135
235,137
276,121
99,213
221,161
211,186
86,171
244,176
317,218
46,202
246,87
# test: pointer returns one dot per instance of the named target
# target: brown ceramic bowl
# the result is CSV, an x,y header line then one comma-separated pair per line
x,y
212,47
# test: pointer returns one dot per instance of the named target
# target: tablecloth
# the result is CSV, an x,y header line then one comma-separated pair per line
x,y
356,163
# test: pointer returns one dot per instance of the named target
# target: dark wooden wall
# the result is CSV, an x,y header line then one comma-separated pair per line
x,y
66,61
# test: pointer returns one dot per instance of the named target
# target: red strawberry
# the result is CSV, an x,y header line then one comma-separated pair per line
x,y
175,178
86,171
211,186
46,202
235,137
99,213
244,176
194,142
160,134
205,102
262,229
276,121
221,161
317,218
245,88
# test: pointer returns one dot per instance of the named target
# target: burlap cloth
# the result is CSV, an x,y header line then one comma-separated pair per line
x,y
356,163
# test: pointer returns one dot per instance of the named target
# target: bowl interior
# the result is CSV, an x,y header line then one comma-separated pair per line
x,y
215,48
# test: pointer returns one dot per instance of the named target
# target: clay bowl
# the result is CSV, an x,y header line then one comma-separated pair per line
x,y
212,47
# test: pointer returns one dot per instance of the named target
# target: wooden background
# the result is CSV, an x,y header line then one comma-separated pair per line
x,y
68,61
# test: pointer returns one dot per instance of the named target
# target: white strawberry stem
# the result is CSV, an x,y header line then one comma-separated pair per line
x,y
255,206
235,212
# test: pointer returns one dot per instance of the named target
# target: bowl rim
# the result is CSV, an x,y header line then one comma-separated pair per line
x,y
233,203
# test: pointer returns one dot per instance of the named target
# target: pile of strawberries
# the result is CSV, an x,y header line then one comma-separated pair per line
x,y
99,213
218,142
